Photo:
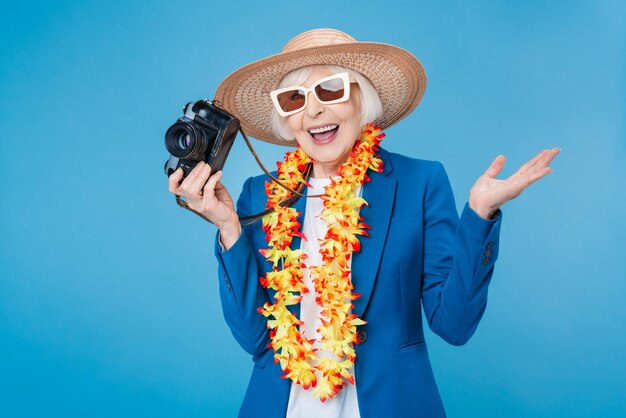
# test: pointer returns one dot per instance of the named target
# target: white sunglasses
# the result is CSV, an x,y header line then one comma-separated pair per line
x,y
328,90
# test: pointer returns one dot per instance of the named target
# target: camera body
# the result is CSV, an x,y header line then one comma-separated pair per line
x,y
204,133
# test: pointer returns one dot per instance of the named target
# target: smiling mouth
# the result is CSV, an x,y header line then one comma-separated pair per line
x,y
324,133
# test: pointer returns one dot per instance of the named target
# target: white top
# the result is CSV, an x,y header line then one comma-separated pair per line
x,y
301,402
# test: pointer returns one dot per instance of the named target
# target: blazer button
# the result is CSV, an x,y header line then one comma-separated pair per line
x,y
489,244
486,261
487,252
362,335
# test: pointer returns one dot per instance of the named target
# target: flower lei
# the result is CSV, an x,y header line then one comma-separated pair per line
x,y
332,282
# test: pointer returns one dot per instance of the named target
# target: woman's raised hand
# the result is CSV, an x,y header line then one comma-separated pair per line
x,y
489,193
206,195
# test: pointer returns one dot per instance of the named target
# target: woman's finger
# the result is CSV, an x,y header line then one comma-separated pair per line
x,y
553,153
174,181
539,174
539,162
532,171
496,166
191,177
195,187
209,187
524,168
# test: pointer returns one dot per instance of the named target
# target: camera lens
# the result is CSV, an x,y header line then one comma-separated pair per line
x,y
183,141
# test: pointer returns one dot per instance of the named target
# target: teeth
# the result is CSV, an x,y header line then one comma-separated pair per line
x,y
323,129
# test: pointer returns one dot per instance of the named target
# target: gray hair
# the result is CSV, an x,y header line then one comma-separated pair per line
x,y
371,106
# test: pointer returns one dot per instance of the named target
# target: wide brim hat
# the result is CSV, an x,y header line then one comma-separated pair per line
x,y
396,74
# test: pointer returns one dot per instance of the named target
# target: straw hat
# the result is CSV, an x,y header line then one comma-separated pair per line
x,y
395,73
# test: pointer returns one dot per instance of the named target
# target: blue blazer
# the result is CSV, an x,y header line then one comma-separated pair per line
x,y
419,255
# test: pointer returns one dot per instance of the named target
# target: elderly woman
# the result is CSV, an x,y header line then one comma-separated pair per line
x,y
331,287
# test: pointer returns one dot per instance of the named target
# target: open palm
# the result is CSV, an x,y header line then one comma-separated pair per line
x,y
490,193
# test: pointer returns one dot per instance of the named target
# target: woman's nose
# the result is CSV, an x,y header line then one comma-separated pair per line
x,y
313,106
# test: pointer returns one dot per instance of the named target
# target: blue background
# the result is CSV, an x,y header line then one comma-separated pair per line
x,y
108,291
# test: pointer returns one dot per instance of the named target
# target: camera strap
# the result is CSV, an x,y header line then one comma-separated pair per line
x,y
295,194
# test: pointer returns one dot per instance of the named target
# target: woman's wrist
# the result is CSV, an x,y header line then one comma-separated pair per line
x,y
483,212
230,232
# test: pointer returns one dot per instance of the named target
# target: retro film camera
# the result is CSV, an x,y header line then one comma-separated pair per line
x,y
205,133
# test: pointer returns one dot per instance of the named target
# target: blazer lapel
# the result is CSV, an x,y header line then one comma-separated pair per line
x,y
379,194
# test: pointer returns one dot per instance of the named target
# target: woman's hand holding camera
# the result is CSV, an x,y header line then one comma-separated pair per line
x,y
207,196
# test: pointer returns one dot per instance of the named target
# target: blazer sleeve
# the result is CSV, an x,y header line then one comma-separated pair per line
x,y
459,257
240,291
